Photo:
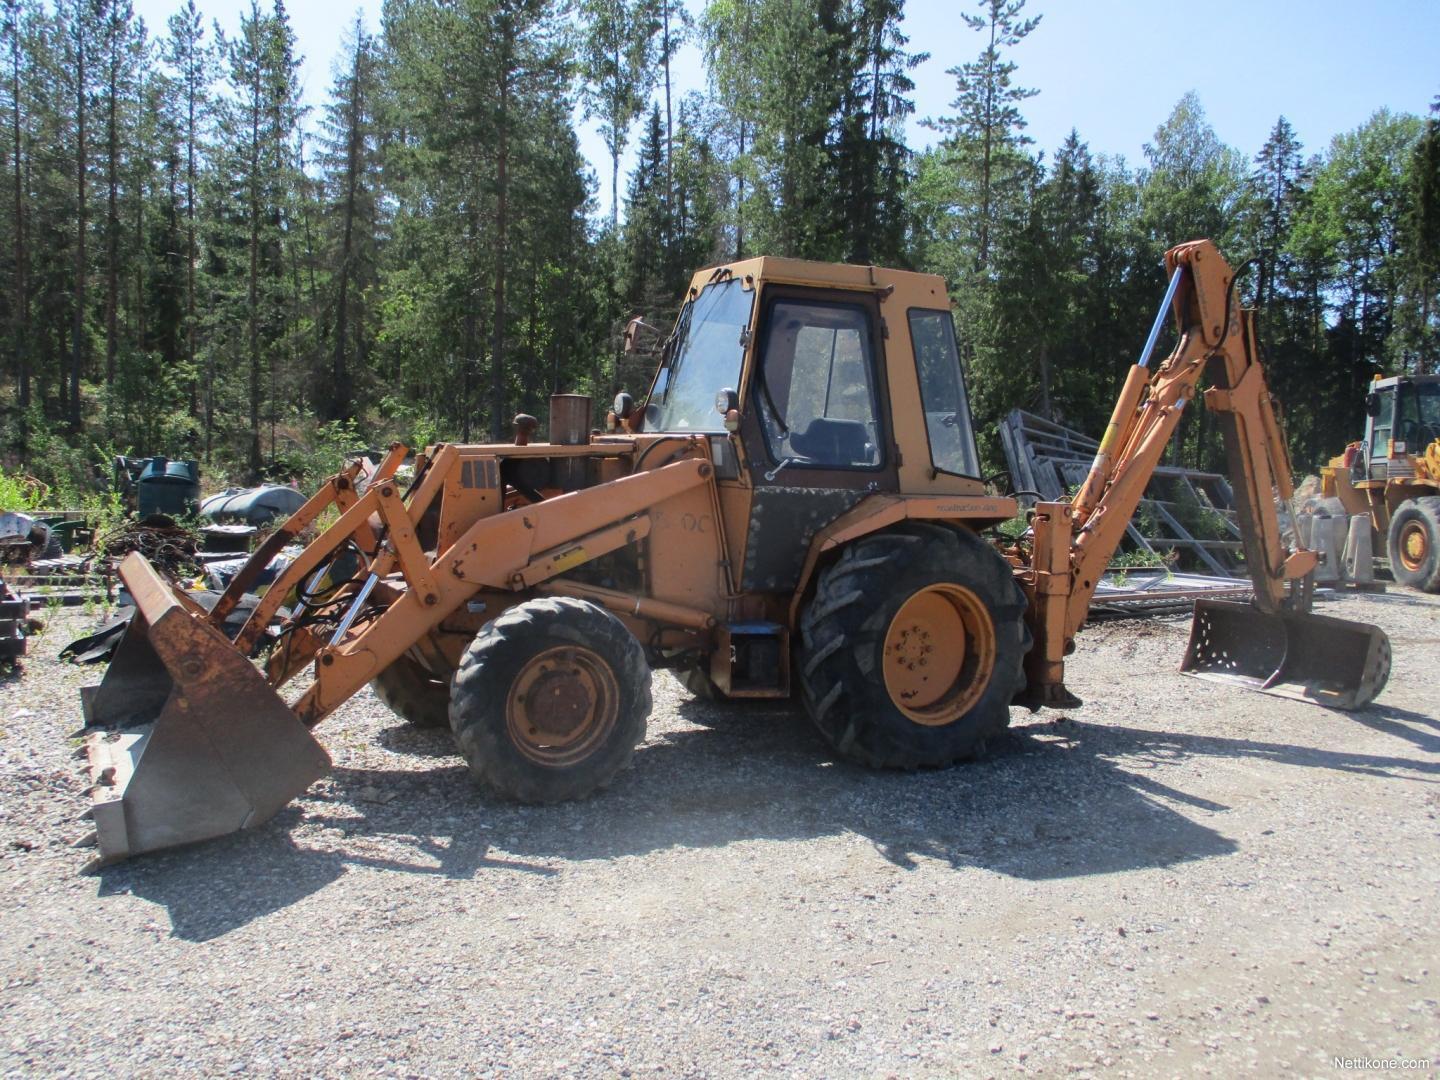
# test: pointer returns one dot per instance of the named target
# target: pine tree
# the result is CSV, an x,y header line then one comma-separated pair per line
x,y
617,58
349,157
870,151
120,53
1422,243
1275,179
984,140
80,35
17,63
257,122
188,109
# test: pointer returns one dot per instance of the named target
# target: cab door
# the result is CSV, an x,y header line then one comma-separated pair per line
x,y
815,425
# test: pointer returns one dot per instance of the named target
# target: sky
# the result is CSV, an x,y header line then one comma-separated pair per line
x,y
1111,69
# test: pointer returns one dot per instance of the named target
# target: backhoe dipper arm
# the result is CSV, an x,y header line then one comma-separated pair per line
x,y
1075,542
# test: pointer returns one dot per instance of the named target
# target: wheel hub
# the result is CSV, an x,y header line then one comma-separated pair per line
x,y
1413,545
939,654
561,703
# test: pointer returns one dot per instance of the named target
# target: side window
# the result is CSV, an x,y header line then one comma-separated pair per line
x,y
942,393
816,386
1384,425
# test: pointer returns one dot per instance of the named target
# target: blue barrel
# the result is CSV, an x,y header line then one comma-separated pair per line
x,y
169,487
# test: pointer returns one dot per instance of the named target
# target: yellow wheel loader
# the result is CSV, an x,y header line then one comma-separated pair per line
x,y
794,507
1393,475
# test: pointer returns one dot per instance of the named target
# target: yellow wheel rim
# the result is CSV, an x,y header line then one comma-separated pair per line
x,y
1414,545
562,705
939,654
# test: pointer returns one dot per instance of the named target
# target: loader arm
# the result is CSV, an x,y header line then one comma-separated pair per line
x,y
1074,542
190,740
511,551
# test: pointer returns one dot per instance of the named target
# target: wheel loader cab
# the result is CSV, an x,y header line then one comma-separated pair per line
x,y
844,376
820,389
1402,420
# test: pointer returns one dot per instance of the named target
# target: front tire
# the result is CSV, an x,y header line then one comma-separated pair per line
x,y
550,700
913,647
1414,544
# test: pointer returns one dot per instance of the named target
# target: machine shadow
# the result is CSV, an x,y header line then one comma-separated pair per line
x,y
217,886
1053,799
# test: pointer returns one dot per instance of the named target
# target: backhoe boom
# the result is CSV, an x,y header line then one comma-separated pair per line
x,y
1074,543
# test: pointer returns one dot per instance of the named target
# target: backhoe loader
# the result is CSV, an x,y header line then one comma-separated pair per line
x,y
794,507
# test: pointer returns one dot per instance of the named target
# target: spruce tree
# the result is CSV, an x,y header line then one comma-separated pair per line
x,y
984,140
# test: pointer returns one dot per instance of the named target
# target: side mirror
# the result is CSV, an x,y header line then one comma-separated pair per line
x,y
1372,404
624,406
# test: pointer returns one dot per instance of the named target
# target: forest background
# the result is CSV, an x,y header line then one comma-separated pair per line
x,y
191,265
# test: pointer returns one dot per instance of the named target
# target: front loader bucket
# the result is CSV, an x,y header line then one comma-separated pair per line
x,y
1316,658
187,739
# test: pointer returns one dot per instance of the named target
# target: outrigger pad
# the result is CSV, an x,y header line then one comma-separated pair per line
x,y
1328,661
192,742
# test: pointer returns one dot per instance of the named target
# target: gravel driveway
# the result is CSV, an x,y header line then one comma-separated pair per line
x,y
1179,877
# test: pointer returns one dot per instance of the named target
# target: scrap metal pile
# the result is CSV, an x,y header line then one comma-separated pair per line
x,y
159,538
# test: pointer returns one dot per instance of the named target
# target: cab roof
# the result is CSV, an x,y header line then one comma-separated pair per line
x,y
803,272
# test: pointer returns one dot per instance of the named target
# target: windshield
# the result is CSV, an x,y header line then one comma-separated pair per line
x,y
709,346
1419,421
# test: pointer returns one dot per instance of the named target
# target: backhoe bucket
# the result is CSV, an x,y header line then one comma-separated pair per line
x,y
1315,658
187,740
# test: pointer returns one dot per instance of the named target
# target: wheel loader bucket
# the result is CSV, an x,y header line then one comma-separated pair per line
x,y
187,741
1315,658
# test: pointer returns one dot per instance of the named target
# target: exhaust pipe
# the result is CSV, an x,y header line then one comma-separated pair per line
x,y
569,426
187,741
1315,658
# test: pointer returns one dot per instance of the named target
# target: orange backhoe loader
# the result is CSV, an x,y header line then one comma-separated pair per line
x,y
795,506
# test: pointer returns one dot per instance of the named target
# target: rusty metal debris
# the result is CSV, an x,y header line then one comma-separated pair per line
x,y
162,541
1152,590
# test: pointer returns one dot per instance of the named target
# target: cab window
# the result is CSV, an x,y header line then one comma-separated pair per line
x,y
942,393
816,386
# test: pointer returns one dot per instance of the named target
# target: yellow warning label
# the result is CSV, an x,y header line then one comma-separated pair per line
x,y
571,557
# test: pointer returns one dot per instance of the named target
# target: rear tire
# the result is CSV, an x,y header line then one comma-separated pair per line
x,y
550,700
413,694
913,647
1414,544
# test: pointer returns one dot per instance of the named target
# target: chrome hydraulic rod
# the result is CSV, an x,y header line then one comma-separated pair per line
x,y
354,610
1159,323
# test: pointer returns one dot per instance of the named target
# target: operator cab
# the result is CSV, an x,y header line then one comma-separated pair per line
x,y
816,369
1402,419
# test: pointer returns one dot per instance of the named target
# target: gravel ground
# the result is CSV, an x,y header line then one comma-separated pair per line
x,y
1179,877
